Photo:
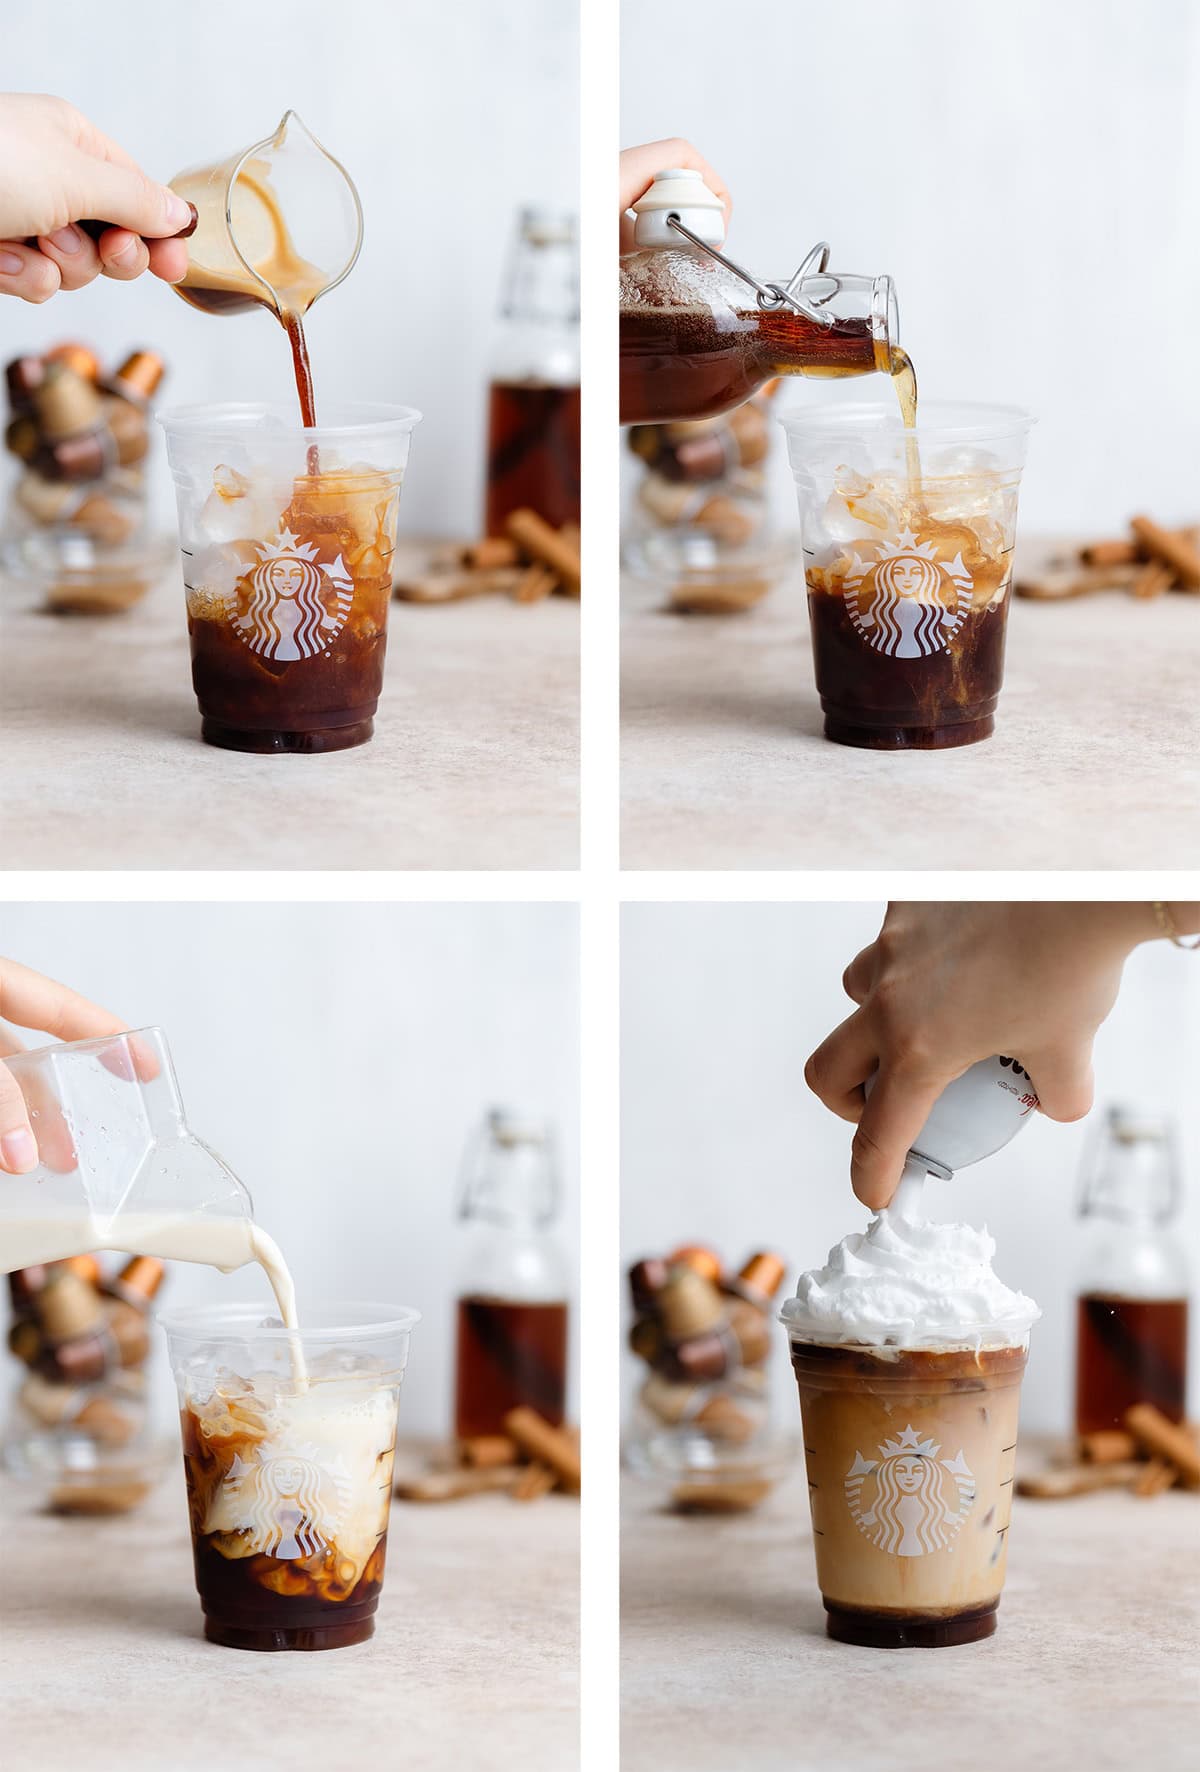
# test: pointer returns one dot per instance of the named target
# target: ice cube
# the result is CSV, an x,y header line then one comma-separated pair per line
x,y
841,522
850,483
230,482
214,571
237,508
964,459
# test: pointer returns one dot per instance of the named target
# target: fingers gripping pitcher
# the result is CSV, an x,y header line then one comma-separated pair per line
x,y
908,1353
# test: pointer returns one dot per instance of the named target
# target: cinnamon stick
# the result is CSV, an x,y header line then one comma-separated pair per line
x,y
1157,1475
534,583
1078,1479
1107,1446
487,1451
1111,553
534,1481
452,1485
444,585
1152,580
492,551
1171,548
544,1444
1151,1429
534,536
1060,581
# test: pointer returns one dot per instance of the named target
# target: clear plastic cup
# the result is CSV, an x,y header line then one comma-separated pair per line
x,y
910,1456
120,1168
287,535
289,1476
908,543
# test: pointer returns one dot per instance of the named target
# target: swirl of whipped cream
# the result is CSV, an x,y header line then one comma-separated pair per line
x,y
910,1282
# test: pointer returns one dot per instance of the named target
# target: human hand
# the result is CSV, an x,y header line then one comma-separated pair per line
x,y
944,985
57,169
32,1001
639,165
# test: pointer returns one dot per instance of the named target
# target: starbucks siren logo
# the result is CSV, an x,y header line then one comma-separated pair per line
x,y
289,1507
906,603
285,615
908,1500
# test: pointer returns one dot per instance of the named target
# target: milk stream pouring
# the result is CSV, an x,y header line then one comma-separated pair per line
x,y
121,1169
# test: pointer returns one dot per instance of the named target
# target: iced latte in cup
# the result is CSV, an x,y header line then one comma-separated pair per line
x,y
288,1443
908,1353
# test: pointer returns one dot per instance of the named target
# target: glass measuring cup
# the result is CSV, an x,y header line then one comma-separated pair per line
x,y
279,224
120,1168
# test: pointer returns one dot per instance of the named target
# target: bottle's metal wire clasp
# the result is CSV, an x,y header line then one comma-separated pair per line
x,y
773,295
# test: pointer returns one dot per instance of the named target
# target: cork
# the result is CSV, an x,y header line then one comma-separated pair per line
x,y
66,404
646,1280
646,1339
669,1402
68,1307
700,1258
763,1275
690,1304
78,358
140,1279
139,376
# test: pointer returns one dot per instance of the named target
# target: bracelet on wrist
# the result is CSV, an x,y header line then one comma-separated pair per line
x,y
1166,922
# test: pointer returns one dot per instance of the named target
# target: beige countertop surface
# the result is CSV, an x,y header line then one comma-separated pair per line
x,y
1095,761
474,763
104,1668
1094,1667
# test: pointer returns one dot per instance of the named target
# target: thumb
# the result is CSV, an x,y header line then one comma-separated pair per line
x,y
18,1147
1064,1083
897,1108
124,197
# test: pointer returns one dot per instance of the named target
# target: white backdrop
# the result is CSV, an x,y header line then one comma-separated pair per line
x,y
447,118
1026,173
338,1056
723,1143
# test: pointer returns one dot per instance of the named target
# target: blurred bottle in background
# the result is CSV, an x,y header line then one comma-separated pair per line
x,y
512,1298
533,414
1134,1282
